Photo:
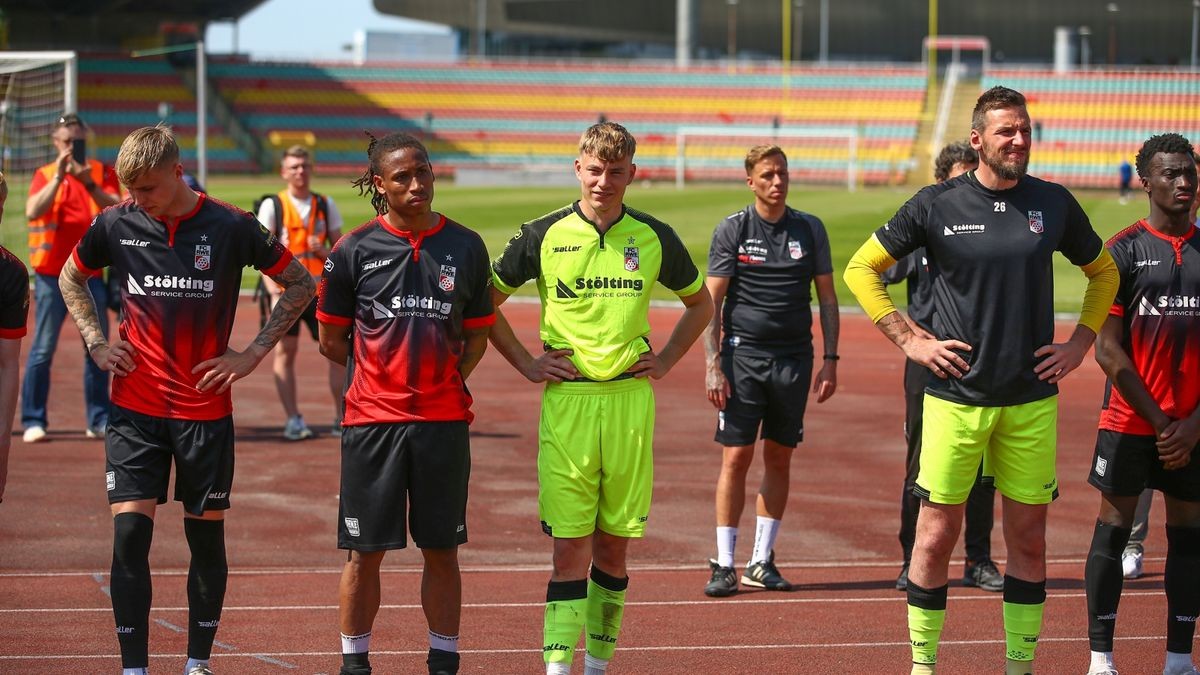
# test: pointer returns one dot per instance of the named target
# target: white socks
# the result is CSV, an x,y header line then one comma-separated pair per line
x,y
1101,661
593,665
446,643
764,538
726,543
356,644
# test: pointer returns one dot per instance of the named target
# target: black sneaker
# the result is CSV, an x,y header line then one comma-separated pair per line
x,y
723,582
765,575
442,662
355,664
984,575
902,580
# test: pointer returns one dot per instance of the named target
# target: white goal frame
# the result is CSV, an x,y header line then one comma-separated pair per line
x,y
13,63
848,134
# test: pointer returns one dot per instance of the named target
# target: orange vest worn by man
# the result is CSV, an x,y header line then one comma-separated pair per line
x,y
65,196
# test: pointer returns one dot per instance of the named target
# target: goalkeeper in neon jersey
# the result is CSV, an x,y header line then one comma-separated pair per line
x,y
990,236
594,262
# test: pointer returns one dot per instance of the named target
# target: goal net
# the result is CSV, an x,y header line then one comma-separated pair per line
x,y
36,88
816,154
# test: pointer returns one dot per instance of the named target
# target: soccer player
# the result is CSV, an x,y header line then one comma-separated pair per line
x,y
180,255
594,262
14,311
415,288
309,224
954,160
989,236
64,197
762,265
1150,422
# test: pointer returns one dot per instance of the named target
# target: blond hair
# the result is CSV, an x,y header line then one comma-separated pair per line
x,y
146,149
760,152
608,141
296,151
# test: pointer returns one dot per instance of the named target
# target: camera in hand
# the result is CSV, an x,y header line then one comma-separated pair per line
x,y
79,150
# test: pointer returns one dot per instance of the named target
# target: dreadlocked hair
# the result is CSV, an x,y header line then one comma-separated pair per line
x,y
1170,144
377,149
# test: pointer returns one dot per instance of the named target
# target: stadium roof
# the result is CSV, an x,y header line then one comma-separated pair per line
x,y
108,24
1136,31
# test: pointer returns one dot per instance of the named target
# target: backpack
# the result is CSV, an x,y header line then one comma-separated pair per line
x,y
322,208
260,289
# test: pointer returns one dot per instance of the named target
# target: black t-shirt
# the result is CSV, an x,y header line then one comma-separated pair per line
x,y
770,267
409,297
992,279
181,281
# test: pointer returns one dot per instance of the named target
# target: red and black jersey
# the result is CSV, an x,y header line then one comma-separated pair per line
x,y
14,296
409,296
180,281
1159,302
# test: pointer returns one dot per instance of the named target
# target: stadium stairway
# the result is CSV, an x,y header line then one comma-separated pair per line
x,y
118,94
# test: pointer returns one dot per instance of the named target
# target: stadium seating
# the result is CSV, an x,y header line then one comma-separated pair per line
x,y
498,115
118,94
1092,120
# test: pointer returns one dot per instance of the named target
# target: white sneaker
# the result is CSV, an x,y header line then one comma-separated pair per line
x,y
96,432
296,430
1131,563
35,434
1190,670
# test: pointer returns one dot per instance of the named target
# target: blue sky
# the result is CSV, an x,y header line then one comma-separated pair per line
x,y
314,29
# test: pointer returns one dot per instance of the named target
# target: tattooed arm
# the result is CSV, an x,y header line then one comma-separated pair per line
x,y
117,356
298,290
825,383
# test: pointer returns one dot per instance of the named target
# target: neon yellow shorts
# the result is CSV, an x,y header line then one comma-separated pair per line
x,y
595,457
1017,445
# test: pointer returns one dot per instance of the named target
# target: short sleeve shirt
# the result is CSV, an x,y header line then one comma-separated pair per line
x,y
770,267
595,287
992,280
14,296
409,297
180,281
1159,304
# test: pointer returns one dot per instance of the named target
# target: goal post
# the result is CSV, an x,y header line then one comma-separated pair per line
x,y
822,154
36,88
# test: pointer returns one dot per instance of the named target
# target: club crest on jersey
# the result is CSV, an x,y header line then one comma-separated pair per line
x,y
1035,222
794,250
632,262
446,278
203,256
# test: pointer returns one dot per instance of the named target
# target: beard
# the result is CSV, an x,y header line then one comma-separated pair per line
x,y
1007,170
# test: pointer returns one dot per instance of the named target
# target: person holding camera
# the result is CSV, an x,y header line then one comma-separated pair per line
x,y
65,196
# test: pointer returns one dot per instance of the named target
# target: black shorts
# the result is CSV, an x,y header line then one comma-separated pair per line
x,y
766,390
393,473
1125,464
138,450
309,316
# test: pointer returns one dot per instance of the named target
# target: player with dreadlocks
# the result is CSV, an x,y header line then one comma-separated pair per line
x,y
414,287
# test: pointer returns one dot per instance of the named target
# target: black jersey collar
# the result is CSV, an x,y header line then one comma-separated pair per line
x,y
579,212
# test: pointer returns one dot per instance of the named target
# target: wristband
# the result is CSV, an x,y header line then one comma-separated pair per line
x,y
831,357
